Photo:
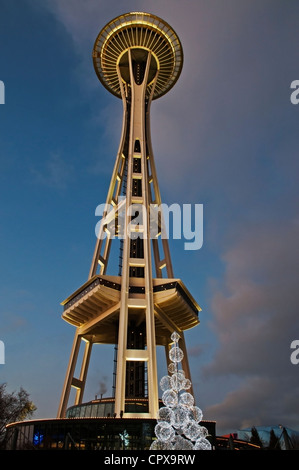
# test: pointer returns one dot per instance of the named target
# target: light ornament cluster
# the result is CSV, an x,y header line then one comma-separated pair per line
x,y
178,420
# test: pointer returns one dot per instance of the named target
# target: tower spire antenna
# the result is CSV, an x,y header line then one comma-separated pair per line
x,y
138,57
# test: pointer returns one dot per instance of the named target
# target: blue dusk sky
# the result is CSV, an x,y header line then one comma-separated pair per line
x,y
225,136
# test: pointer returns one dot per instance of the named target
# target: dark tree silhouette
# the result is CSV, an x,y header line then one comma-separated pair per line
x,y
274,443
14,406
255,438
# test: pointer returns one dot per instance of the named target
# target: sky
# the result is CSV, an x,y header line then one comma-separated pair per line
x,y
225,136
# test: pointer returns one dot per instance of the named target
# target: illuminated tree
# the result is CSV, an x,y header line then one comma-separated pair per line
x,y
178,426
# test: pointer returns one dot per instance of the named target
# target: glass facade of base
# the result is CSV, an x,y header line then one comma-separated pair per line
x,y
90,426
81,434
103,434
104,408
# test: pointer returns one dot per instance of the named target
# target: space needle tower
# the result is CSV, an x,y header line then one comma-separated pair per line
x,y
138,58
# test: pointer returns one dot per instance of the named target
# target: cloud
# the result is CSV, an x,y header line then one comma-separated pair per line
x,y
255,315
78,18
247,406
195,350
11,323
56,173
83,21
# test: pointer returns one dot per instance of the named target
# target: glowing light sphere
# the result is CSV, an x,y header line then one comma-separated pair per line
x,y
176,354
172,368
192,430
175,337
177,381
180,443
164,431
160,445
186,399
165,414
187,384
202,444
195,413
203,432
179,417
170,398
165,383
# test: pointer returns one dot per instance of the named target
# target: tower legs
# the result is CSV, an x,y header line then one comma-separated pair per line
x,y
69,377
71,380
